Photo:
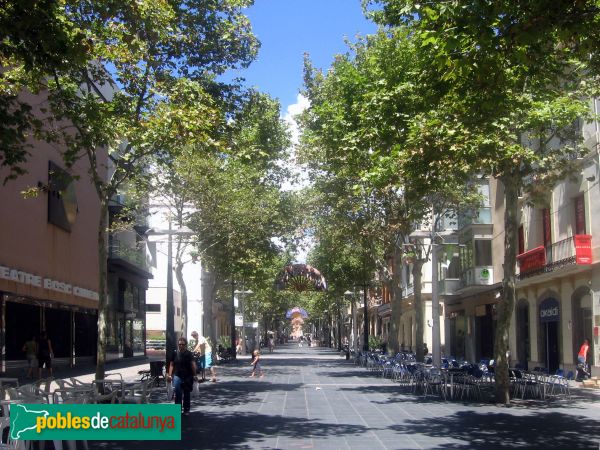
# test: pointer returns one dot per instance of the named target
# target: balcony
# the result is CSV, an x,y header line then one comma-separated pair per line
x,y
448,286
575,250
477,276
135,256
480,216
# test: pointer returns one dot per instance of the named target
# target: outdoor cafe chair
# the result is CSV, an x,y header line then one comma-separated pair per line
x,y
8,443
26,394
73,395
434,383
107,390
138,392
76,382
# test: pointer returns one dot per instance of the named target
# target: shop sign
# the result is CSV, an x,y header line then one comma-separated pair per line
x,y
550,310
18,276
583,249
483,275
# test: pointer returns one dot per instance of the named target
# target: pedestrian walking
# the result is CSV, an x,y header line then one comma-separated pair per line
x,y
256,368
271,344
204,349
582,367
31,348
182,370
198,352
45,354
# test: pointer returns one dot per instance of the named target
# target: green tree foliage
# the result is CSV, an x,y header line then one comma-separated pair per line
x,y
360,139
240,207
131,80
510,84
35,39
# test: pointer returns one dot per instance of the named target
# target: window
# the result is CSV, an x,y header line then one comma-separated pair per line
x,y
62,201
547,227
521,240
483,252
579,214
449,265
153,307
466,256
484,191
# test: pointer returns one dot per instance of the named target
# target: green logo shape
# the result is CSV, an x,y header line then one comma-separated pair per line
x,y
95,422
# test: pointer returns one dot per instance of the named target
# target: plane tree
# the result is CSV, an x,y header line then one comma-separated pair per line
x,y
357,137
514,79
127,85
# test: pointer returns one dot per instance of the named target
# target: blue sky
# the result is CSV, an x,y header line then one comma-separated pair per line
x,y
289,28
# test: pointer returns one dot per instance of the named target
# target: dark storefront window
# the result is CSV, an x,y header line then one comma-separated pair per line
x,y
458,331
485,331
58,326
22,322
86,335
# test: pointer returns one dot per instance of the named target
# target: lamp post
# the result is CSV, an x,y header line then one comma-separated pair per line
x,y
366,320
170,337
232,335
435,306
354,336
242,300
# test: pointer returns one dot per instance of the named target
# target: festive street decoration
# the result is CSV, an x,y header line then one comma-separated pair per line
x,y
300,278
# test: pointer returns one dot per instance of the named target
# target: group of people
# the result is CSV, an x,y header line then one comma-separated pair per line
x,y
39,352
187,365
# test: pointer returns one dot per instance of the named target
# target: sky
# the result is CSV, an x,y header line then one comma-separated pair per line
x,y
289,28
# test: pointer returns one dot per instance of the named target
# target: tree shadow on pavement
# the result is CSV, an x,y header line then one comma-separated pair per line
x,y
232,393
217,430
473,430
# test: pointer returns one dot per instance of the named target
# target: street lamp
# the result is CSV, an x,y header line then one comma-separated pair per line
x,y
243,293
354,336
170,337
366,320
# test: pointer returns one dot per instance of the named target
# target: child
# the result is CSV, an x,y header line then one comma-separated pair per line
x,y
256,364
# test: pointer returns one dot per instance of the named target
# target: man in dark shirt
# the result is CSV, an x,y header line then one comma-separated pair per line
x,y
182,370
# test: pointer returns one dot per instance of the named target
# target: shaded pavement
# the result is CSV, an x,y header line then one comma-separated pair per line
x,y
311,398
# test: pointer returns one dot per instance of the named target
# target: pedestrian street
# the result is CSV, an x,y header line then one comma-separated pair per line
x,y
312,398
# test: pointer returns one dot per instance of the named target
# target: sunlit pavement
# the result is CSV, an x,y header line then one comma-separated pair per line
x,y
311,398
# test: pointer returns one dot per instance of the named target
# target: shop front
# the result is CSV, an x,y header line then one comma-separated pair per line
x,y
68,329
549,336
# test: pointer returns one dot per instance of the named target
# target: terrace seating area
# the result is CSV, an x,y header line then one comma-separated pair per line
x,y
461,380
111,389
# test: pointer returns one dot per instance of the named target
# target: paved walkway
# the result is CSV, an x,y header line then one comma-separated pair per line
x,y
311,398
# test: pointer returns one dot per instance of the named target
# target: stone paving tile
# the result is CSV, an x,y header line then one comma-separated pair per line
x,y
311,398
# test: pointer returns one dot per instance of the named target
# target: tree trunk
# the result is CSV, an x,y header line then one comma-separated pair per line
x,y
417,276
209,282
507,303
183,289
102,289
396,300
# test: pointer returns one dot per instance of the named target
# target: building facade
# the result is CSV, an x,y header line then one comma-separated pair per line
x,y
49,259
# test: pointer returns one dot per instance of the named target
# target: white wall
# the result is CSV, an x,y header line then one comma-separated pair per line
x,y
158,220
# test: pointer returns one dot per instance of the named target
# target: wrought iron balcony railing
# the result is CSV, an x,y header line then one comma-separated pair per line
x,y
575,250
